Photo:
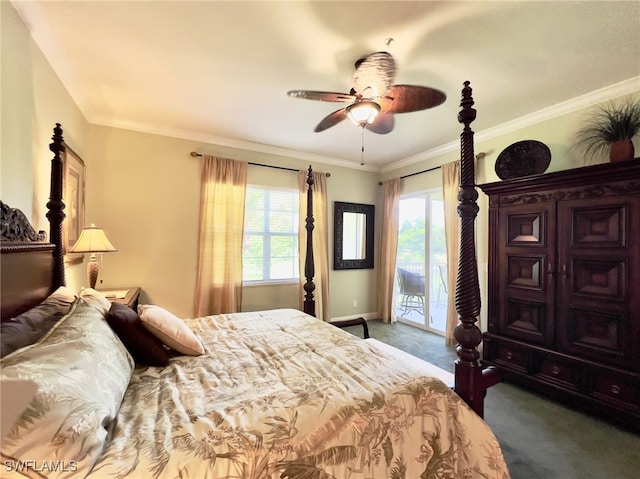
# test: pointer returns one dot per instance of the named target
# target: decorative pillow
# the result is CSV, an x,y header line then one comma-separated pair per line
x,y
82,371
30,326
170,329
64,294
144,347
96,299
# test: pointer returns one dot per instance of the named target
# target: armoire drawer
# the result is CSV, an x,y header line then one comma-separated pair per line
x,y
557,371
512,357
617,389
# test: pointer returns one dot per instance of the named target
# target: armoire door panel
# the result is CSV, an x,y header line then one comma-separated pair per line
x,y
599,226
526,272
526,228
526,320
604,279
599,335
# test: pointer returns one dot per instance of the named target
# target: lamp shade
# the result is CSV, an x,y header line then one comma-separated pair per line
x,y
92,240
363,112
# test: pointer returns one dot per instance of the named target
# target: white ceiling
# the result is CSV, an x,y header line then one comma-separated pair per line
x,y
218,72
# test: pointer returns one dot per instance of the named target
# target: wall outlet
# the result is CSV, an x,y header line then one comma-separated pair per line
x,y
355,303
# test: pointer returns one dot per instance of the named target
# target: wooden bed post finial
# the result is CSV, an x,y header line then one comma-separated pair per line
x,y
470,381
309,269
55,206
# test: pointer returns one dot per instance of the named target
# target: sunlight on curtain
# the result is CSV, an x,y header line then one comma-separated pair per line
x,y
450,187
320,240
222,196
388,249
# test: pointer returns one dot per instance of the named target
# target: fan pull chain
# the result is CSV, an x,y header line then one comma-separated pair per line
x,y
362,152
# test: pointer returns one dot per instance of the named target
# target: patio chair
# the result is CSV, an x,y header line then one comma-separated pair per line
x,y
412,291
442,273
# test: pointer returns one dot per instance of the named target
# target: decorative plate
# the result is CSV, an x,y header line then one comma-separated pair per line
x,y
523,158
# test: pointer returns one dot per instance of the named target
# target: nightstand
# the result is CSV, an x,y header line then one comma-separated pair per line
x,y
128,296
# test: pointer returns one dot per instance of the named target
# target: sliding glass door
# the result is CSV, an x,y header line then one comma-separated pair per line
x,y
421,290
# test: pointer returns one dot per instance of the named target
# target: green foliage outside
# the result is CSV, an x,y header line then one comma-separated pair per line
x,y
411,242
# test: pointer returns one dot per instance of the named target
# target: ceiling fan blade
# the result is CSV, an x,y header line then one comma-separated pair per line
x,y
331,120
321,95
383,123
408,98
374,75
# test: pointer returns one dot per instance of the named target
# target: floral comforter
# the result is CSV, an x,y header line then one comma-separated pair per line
x,y
280,394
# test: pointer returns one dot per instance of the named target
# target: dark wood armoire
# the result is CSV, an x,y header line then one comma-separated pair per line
x,y
564,286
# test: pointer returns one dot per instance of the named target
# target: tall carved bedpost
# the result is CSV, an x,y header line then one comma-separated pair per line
x,y
55,206
309,268
470,381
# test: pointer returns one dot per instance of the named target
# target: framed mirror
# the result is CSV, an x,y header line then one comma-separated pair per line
x,y
353,235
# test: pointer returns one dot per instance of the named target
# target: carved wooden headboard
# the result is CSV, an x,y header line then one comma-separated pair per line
x,y
31,267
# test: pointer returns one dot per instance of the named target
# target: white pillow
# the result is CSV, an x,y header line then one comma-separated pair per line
x,y
96,299
63,293
170,329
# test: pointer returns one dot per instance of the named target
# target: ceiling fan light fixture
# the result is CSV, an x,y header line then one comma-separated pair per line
x,y
363,112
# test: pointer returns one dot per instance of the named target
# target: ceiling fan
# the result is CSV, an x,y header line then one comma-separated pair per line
x,y
374,99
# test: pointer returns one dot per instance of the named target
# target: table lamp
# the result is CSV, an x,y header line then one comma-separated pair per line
x,y
92,240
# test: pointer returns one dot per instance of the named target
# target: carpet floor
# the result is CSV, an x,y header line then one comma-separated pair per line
x,y
540,438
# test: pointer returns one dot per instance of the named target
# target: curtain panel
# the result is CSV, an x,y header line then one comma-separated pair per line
x,y
388,249
450,187
222,199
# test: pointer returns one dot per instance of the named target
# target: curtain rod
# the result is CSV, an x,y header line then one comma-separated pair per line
x,y
420,172
417,173
195,154
478,157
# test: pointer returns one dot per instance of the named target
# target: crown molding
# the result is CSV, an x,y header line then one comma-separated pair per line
x,y
610,92
233,143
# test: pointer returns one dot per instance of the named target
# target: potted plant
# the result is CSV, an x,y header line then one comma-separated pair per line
x,y
612,128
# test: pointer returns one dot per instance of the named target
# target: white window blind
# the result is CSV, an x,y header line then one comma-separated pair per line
x,y
270,249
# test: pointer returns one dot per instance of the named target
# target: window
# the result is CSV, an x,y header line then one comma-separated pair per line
x,y
270,249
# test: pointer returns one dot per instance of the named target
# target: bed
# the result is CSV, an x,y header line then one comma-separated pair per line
x,y
101,391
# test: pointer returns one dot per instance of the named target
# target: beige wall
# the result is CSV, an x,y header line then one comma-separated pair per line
x,y
144,190
32,100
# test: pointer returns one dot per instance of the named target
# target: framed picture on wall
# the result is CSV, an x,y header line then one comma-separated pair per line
x,y
73,192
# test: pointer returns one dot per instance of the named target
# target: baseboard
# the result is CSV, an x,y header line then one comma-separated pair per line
x,y
366,316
